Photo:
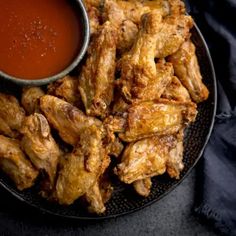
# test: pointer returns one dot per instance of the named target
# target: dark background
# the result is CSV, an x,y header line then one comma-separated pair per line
x,y
172,215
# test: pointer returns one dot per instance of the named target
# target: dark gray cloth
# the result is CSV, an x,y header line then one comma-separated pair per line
x,y
216,198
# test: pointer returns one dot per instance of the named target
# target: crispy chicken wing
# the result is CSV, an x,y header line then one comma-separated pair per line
x,y
15,164
187,70
39,145
126,29
173,32
67,89
11,115
143,159
80,169
143,186
140,76
100,192
30,99
174,163
149,157
67,119
96,80
132,10
151,118
176,91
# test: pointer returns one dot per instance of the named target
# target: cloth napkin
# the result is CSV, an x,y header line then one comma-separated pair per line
x,y
216,186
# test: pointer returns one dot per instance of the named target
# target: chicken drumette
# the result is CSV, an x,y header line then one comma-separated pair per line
x,y
15,164
96,80
187,70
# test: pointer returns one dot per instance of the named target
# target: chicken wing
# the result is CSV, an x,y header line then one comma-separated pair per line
x,y
187,70
80,169
67,89
143,159
132,10
149,118
67,119
39,145
174,163
176,91
101,191
96,80
15,164
175,29
11,115
30,99
143,186
140,76
126,29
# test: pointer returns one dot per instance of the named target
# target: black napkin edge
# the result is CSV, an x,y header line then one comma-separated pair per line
x,y
212,216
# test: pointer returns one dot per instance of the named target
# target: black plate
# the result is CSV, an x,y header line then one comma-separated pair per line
x,y
124,200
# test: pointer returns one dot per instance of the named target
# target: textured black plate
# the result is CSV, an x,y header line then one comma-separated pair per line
x,y
124,200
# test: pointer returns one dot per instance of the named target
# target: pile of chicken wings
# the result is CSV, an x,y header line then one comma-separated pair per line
x,y
134,95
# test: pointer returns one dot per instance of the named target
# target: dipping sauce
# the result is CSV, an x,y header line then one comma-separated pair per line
x,y
38,38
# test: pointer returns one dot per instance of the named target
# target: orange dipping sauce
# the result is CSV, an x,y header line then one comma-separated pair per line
x,y
38,38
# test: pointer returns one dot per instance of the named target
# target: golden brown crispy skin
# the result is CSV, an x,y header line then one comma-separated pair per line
x,y
94,3
127,33
6,130
140,76
132,10
98,193
173,32
15,164
94,19
143,159
30,99
174,163
143,186
115,147
67,89
119,106
39,145
126,29
151,118
94,14
176,91
80,169
94,199
96,80
187,70
68,120
11,115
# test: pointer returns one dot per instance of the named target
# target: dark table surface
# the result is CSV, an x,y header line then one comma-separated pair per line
x,y
172,215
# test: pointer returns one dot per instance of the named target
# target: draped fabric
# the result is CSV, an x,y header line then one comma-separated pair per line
x,y
216,188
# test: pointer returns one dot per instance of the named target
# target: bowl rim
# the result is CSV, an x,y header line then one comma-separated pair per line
x,y
69,68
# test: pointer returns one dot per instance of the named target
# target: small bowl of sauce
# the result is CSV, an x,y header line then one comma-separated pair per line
x,y
41,41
